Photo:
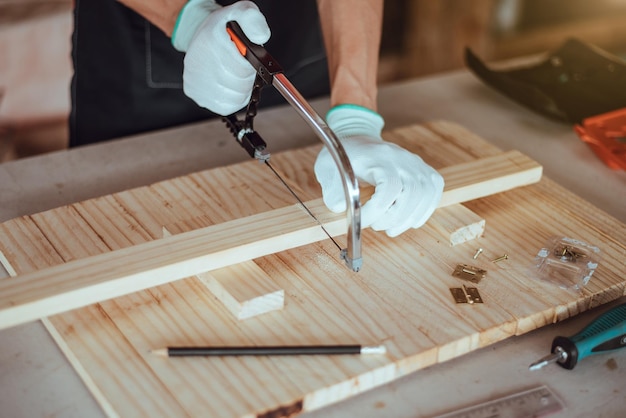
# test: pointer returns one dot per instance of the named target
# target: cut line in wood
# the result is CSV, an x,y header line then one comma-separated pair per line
x,y
97,278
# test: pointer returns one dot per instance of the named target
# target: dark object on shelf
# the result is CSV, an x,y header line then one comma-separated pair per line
x,y
574,82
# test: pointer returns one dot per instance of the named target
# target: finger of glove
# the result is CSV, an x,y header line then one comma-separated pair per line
x,y
219,98
328,177
432,196
387,189
399,216
424,200
252,22
212,45
219,44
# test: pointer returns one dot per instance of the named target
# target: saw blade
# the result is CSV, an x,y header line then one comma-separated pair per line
x,y
294,194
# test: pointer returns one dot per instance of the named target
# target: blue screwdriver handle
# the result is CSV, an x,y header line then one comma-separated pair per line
x,y
605,333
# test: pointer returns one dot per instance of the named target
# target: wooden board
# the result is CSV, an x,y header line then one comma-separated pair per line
x,y
401,299
458,223
88,280
244,288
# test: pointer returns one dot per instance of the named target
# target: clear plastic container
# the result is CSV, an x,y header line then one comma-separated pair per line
x,y
566,262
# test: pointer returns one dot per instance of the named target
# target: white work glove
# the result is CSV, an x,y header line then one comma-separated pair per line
x,y
407,189
215,75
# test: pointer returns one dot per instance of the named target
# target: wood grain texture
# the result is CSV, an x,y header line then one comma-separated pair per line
x,y
244,288
4,262
458,224
87,280
401,299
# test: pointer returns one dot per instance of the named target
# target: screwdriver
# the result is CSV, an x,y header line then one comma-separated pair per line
x,y
607,332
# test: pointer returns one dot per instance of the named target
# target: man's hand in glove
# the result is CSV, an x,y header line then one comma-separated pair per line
x,y
215,74
407,189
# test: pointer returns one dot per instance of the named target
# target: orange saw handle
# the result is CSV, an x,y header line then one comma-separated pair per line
x,y
265,66
241,47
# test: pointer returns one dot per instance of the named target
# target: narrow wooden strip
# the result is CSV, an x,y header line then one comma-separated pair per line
x,y
457,224
244,289
476,179
85,281
4,262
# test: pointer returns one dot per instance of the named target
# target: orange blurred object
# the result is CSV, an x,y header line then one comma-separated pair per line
x,y
606,135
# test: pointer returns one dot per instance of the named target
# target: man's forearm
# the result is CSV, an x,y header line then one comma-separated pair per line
x,y
352,31
161,13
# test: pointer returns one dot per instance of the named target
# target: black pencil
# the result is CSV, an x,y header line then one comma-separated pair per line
x,y
268,350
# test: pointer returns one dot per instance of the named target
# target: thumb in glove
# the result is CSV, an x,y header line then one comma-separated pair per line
x,y
407,190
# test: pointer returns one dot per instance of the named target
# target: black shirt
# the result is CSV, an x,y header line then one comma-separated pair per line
x,y
128,77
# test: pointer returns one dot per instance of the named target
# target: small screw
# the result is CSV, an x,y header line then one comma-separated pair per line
x,y
503,257
478,251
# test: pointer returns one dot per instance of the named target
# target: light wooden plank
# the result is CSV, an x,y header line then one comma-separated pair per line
x,y
476,179
101,277
247,291
174,312
140,392
457,224
181,313
238,386
400,300
4,261
244,288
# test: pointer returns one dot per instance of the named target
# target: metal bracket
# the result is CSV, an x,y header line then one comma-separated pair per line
x,y
466,295
467,272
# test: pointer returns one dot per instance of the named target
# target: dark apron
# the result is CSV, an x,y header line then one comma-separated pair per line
x,y
128,77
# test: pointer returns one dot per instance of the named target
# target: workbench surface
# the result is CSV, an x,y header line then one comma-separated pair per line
x,y
37,380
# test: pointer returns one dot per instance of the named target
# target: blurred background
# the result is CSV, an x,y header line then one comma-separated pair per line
x,y
420,38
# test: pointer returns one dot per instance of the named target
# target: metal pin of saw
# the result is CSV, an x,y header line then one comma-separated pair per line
x,y
271,73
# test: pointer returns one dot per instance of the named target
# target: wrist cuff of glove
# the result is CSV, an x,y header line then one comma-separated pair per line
x,y
191,16
351,120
